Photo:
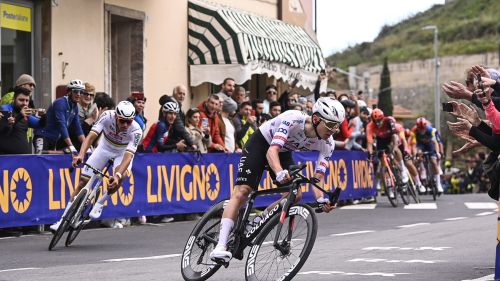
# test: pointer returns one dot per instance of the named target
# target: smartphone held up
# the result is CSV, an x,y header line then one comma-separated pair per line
x,y
447,107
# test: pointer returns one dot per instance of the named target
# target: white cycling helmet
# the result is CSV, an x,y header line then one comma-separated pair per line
x,y
125,110
170,107
329,109
76,84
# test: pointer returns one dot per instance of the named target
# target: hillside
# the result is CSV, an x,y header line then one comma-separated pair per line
x,y
465,27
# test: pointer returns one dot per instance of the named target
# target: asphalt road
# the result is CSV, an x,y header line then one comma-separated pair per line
x,y
454,239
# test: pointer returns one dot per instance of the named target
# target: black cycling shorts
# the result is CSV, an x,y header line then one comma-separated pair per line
x,y
253,161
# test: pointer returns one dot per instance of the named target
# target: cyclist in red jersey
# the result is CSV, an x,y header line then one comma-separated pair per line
x,y
387,133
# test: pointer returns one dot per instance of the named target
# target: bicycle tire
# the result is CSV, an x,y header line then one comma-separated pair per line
x,y
412,189
432,182
65,221
302,215
73,232
208,225
401,187
388,183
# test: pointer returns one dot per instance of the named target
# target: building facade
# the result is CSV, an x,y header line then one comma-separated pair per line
x,y
122,46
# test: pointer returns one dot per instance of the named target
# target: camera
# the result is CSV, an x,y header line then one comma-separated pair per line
x,y
447,107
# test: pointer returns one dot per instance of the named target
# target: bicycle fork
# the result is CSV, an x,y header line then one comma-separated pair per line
x,y
283,247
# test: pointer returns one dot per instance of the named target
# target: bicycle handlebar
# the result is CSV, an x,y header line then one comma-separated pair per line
x,y
298,178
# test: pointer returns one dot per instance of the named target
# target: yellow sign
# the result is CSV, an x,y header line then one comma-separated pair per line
x,y
15,17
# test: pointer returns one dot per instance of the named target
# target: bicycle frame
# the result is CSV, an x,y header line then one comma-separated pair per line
x,y
94,183
243,240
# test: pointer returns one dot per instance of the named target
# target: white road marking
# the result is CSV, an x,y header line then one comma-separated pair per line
x,y
455,219
352,233
421,206
359,207
405,248
382,274
413,225
394,261
481,205
19,269
145,258
490,277
9,237
485,214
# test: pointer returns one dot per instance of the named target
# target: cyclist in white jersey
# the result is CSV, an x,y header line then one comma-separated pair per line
x,y
272,145
120,137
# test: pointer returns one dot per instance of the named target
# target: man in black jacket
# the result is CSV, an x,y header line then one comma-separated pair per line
x,y
15,118
178,95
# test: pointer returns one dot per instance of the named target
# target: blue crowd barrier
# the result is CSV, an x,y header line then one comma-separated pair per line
x,y
34,189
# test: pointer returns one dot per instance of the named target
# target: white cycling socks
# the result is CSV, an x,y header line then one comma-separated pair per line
x,y
226,225
103,198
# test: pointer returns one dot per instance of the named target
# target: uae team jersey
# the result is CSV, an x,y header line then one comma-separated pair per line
x,y
113,140
286,131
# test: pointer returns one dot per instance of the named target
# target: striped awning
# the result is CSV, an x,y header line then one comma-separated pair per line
x,y
224,39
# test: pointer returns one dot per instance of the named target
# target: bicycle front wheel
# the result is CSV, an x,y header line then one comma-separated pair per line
x,y
282,261
196,264
66,219
389,188
412,189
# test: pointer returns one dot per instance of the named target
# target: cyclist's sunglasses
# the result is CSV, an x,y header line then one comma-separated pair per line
x,y
125,121
77,91
331,125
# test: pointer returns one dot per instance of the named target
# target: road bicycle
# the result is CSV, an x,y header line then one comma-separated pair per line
x,y
77,215
391,179
431,182
279,244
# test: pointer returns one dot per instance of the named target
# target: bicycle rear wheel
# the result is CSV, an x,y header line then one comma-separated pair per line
x,y
66,219
296,239
196,264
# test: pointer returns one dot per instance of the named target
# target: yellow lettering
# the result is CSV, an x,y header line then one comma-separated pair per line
x,y
169,184
4,195
70,181
126,199
199,180
53,204
231,179
151,197
187,195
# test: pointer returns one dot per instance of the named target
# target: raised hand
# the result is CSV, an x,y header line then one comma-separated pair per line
x,y
464,111
456,90
466,147
460,128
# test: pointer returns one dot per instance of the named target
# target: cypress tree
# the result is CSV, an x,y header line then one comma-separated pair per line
x,y
385,95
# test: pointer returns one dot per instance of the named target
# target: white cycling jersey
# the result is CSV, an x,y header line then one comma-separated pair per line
x,y
112,144
287,132
113,140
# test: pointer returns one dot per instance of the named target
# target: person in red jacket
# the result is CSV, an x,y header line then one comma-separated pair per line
x,y
209,118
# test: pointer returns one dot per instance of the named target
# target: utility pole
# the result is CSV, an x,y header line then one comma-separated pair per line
x,y
437,109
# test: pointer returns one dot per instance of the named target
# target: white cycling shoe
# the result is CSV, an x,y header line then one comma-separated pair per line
x,y
55,226
220,254
96,211
421,189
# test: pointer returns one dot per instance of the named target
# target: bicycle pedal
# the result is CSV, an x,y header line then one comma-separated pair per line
x,y
221,262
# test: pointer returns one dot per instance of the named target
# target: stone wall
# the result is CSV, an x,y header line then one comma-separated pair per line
x,y
413,82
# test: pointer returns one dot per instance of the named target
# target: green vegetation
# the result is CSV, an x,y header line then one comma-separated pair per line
x,y
465,27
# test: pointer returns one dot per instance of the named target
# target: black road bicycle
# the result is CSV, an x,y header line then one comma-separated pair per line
x,y
279,244
77,215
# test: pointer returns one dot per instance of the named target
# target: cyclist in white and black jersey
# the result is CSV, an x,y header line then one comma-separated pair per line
x,y
120,136
272,145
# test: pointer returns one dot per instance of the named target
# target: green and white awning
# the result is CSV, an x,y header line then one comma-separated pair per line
x,y
225,42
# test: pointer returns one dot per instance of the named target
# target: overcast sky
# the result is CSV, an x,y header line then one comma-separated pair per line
x,y
344,23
